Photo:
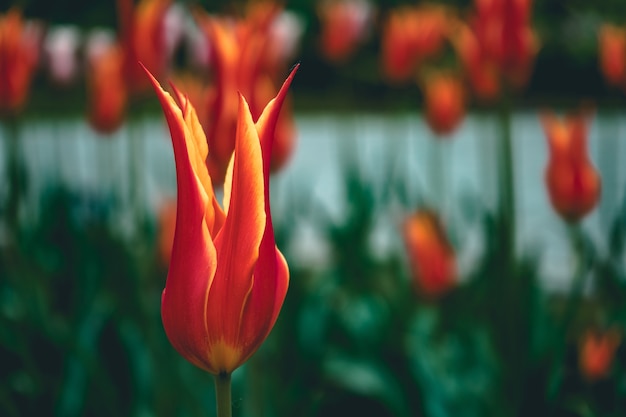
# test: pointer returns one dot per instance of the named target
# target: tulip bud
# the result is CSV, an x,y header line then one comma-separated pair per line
x,y
572,181
431,257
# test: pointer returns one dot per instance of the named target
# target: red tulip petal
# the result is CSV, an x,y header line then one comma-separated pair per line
x,y
194,258
238,242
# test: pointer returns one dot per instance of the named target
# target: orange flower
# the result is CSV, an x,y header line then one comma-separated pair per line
x,y
431,257
344,24
142,37
239,52
612,54
596,353
572,181
227,280
482,72
411,35
18,59
497,45
444,98
107,93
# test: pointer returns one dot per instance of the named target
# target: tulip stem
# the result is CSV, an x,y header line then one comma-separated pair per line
x,y
223,394
507,181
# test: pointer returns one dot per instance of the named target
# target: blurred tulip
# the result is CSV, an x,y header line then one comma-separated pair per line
x,y
572,181
497,45
61,49
227,280
240,63
19,54
482,72
444,101
344,25
596,353
431,257
612,54
143,39
106,87
411,35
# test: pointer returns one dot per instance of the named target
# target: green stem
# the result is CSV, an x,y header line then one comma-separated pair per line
x,y
223,395
506,180
438,174
584,262
15,173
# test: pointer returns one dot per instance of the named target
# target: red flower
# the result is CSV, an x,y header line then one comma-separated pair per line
x,y
572,181
240,52
444,99
142,36
227,280
344,25
411,35
431,257
596,353
612,54
106,88
19,53
497,46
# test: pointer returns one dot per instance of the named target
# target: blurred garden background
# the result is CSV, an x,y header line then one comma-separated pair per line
x,y
448,191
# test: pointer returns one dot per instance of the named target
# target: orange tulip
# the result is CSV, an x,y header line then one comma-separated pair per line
x,y
596,353
19,54
482,72
142,35
411,35
612,54
572,181
107,93
444,98
239,53
431,257
227,280
344,25
497,45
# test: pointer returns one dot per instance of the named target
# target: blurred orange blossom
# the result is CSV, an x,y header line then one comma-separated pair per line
x,y
612,54
596,353
444,97
431,257
572,181
19,54
240,52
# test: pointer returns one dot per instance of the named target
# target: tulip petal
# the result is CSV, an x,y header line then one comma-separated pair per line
x,y
194,258
271,273
238,242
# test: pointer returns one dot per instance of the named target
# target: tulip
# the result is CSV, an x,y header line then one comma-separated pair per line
x,y
344,25
143,38
240,54
431,257
444,98
19,53
410,36
107,92
572,181
612,54
482,72
596,353
227,280
497,45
